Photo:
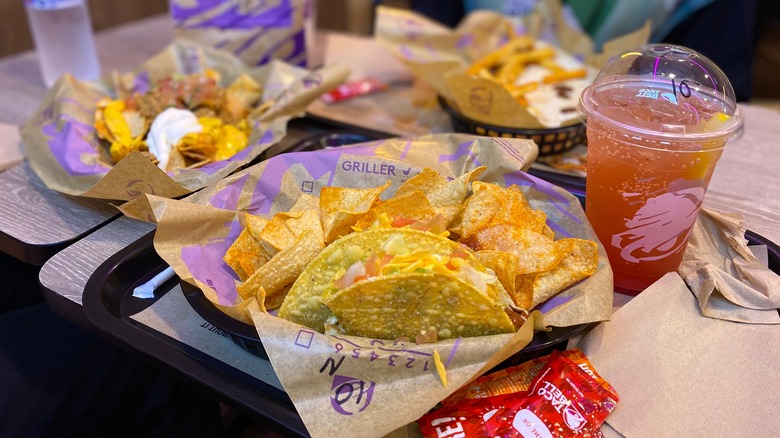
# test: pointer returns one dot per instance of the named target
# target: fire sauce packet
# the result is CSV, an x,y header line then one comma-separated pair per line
x,y
566,399
352,89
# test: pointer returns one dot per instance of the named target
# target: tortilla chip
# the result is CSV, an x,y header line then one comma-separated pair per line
x,y
407,304
255,224
440,369
305,220
491,205
244,255
535,251
277,234
175,160
341,208
283,268
480,207
455,191
275,301
413,205
306,202
580,260
504,265
426,181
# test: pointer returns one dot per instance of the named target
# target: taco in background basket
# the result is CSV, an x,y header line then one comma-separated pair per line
x,y
387,283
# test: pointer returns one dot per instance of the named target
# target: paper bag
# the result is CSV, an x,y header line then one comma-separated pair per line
x,y
256,32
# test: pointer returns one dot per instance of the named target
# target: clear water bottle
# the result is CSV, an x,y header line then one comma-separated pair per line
x,y
62,32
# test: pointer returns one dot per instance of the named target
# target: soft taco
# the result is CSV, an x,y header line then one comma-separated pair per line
x,y
387,283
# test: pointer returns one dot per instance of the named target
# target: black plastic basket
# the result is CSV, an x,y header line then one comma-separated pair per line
x,y
550,141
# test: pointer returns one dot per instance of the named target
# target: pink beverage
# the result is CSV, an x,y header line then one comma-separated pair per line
x,y
62,32
655,133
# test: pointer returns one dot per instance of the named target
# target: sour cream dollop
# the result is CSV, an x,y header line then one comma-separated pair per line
x,y
167,129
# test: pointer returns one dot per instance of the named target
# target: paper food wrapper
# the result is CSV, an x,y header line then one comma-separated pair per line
x,y
64,151
728,280
254,31
440,56
340,383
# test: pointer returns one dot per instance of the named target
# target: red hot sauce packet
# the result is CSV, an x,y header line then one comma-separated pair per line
x,y
564,400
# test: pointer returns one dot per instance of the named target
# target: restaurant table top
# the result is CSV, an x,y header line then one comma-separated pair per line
x,y
89,232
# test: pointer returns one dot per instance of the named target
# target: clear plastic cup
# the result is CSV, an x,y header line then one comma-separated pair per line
x,y
62,32
657,122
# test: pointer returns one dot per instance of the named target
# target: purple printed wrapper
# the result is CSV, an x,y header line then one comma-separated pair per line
x,y
254,31
342,384
64,151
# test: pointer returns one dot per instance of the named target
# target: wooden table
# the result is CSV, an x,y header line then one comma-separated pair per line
x,y
745,181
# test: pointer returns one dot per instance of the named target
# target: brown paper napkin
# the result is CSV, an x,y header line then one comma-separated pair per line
x,y
728,280
681,375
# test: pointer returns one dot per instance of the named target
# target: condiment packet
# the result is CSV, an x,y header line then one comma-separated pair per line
x,y
565,399
352,89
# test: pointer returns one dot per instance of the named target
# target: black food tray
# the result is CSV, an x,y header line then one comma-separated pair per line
x,y
109,305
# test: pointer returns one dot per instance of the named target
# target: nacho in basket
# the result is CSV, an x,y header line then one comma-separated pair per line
x,y
342,382
94,139
497,77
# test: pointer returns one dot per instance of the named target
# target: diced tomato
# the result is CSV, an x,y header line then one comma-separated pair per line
x,y
386,258
358,269
437,225
454,266
460,254
372,266
399,222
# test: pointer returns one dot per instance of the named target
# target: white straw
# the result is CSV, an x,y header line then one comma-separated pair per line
x,y
146,290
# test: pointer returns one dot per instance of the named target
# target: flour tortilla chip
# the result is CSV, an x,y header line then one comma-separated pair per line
x,y
408,304
283,268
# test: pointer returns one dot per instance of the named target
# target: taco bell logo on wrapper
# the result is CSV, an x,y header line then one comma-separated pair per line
x,y
350,395
571,416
